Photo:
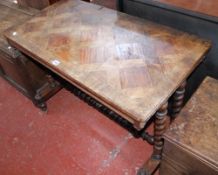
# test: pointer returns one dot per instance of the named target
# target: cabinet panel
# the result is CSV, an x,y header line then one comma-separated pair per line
x,y
22,72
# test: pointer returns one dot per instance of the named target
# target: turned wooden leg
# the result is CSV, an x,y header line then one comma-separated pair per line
x,y
178,99
160,125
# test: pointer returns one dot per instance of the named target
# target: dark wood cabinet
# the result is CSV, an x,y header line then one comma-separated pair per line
x,y
19,70
191,144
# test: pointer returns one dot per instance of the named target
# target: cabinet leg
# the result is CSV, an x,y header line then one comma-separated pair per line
x,y
178,99
159,128
42,106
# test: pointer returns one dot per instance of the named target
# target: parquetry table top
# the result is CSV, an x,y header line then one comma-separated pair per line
x,y
130,65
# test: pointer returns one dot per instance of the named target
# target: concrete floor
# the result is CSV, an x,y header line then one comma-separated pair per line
x,y
72,138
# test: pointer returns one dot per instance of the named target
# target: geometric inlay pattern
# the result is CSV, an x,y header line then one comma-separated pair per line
x,y
130,65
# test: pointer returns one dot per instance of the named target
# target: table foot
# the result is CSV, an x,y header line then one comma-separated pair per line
x,y
150,167
42,106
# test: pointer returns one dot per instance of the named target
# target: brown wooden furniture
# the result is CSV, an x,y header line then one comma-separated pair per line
x,y
17,68
130,65
191,143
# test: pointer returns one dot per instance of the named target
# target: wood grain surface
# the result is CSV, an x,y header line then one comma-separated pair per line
x,y
208,7
195,129
130,65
